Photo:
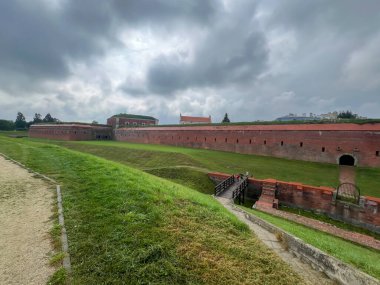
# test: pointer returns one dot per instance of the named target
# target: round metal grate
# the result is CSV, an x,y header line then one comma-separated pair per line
x,y
348,192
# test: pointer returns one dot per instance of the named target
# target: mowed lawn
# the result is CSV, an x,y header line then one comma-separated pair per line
x,y
156,158
128,227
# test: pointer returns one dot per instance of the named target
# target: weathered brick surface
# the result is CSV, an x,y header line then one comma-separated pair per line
x,y
320,199
311,142
70,132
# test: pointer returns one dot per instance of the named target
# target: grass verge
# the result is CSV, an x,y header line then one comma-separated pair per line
x,y
128,227
326,219
360,257
145,156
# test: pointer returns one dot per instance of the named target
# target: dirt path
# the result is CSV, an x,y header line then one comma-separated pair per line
x,y
309,275
347,174
25,211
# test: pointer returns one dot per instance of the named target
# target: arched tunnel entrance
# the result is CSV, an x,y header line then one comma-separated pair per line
x,y
347,159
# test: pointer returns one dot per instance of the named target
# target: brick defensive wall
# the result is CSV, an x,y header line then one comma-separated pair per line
x,y
311,142
71,131
317,199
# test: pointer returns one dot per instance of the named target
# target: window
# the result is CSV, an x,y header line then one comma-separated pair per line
x,y
377,153
225,139
205,138
301,144
282,143
214,139
323,149
250,141
237,140
265,142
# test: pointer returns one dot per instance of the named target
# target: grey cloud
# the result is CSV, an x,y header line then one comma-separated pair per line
x,y
37,42
233,52
166,11
229,56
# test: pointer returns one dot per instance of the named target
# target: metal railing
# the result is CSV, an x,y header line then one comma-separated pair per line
x,y
240,189
222,186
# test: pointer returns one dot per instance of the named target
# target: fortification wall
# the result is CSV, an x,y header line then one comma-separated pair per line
x,y
70,132
320,200
311,142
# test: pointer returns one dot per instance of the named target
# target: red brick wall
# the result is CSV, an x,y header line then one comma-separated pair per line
x,y
311,142
72,132
320,199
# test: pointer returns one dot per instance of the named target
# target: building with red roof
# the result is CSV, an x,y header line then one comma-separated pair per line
x,y
194,120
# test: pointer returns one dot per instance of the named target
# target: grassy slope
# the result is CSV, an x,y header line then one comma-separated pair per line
x,y
361,257
150,156
186,176
128,227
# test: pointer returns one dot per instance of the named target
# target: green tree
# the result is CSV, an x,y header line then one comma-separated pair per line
x,y
20,122
347,115
6,125
226,120
49,119
37,118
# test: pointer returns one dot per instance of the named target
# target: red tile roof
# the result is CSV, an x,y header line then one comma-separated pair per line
x,y
195,119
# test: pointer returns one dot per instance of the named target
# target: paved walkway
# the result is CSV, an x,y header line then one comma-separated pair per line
x,y
325,227
309,275
347,174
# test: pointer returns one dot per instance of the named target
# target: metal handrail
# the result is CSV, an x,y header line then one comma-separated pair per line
x,y
222,186
240,188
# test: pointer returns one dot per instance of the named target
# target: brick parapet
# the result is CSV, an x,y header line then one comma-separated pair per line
x,y
71,132
320,199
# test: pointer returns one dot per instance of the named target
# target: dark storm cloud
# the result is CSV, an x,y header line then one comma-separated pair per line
x,y
346,16
165,11
296,56
328,34
37,41
234,51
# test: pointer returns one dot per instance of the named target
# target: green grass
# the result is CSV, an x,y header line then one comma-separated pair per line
x,y
361,257
326,219
145,156
125,226
186,176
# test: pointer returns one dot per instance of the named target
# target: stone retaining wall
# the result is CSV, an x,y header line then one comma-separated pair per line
x,y
332,267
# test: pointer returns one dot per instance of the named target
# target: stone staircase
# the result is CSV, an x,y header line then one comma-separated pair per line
x,y
267,198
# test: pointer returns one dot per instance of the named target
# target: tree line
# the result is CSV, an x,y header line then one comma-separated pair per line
x,y
21,124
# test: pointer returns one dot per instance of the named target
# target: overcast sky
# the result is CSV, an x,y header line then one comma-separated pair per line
x,y
84,60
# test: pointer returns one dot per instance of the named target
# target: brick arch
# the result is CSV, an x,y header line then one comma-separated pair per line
x,y
347,159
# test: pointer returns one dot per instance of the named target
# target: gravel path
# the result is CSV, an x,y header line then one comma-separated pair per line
x,y
309,275
25,211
